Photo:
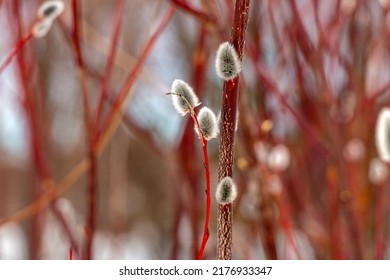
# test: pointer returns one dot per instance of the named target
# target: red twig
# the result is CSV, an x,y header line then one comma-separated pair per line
x,y
15,51
133,75
191,10
187,147
92,177
110,62
70,253
206,232
305,127
28,103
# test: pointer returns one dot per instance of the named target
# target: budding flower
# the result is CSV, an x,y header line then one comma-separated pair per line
x,y
207,123
227,63
382,134
41,28
50,9
226,191
184,98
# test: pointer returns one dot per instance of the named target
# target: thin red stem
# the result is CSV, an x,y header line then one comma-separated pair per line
x,y
133,75
28,102
206,232
15,51
70,253
92,177
305,127
193,11
110,62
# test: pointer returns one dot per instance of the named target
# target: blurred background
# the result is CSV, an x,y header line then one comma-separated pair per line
x,y
315,74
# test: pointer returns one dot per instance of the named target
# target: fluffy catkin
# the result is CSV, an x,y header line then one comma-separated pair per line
x,y
47,13
227,63
183,97
41,28
226,191
50,9
382,134
208,123
278,158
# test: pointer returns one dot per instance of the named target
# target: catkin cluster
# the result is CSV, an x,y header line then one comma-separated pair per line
x,y
185,100
228,66
47,13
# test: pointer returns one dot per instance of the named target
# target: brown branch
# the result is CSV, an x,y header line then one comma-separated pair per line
x,y
228,123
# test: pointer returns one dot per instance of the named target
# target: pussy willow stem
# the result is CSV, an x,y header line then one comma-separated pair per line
x,y
206,232
226,138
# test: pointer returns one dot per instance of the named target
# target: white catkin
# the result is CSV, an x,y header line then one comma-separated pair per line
x,y
378,171
183,97
382,134
227,63
278,158
41,28
207,123
354,150
50,9
226,191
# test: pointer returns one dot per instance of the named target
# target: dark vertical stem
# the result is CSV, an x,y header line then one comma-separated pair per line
x,y
228,123
269,232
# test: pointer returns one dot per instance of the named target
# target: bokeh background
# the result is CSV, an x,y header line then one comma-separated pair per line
x,y
315,75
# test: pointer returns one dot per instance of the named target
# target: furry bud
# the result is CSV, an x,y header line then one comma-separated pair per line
x,y
41,28
207,123
183,97
226,191
382,134
227,63
51,9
